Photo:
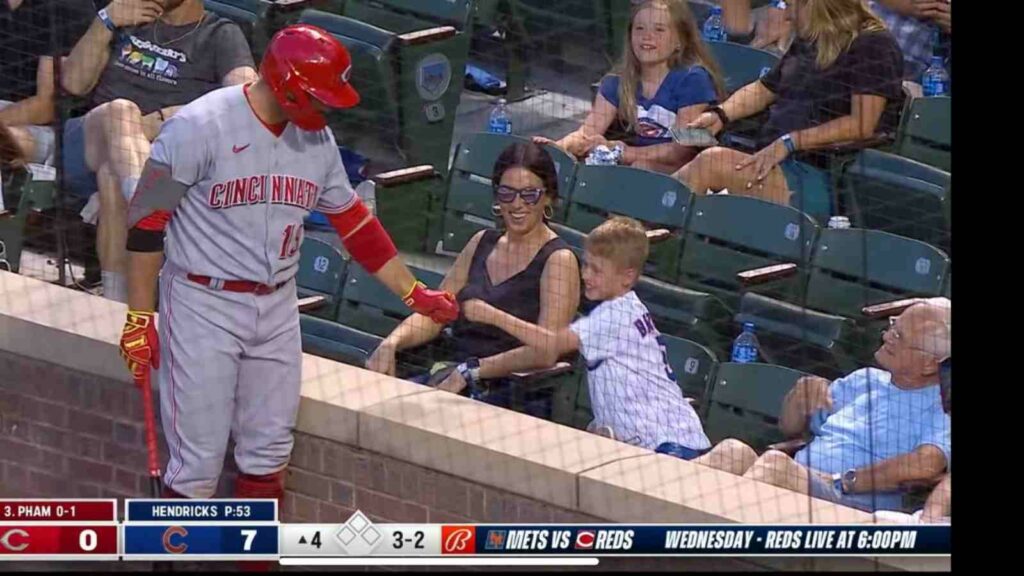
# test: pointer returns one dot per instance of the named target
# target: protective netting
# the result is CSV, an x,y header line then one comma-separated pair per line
x,y
783,274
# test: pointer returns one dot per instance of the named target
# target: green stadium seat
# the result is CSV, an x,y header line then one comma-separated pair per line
x,y
887,192
368,305
728,234
925,132
258,19
740,64
24,194
322,337
694,366
570,401
322,270
686,313
657,200
827,332
470,194
746,401
409,59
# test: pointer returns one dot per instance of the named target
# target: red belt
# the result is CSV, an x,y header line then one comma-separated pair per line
x,y
235,285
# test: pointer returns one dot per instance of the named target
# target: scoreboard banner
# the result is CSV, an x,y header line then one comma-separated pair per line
x,y
231,529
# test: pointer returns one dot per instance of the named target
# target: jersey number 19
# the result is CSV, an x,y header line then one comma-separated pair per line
x,y
292,241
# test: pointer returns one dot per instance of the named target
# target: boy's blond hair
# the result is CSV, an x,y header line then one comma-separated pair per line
x,y
622,240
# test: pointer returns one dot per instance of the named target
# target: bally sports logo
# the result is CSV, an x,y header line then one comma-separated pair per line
x,y
585,539
458,540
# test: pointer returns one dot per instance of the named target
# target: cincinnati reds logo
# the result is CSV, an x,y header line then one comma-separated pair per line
x,y
175,531
6,540
458,540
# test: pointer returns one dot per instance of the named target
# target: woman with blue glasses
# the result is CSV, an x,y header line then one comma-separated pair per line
x,y
523,268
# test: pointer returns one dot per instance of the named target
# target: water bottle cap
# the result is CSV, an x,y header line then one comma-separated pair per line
x,y
938,60
748,326
839,222
716,10
502,101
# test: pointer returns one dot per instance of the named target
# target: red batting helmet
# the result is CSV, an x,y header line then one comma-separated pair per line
x,y
304,61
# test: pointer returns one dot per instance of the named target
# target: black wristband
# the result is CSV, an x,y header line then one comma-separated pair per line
x,y
720,112
145,240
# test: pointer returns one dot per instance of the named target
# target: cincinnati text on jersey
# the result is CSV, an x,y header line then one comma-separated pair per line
x,y
290,190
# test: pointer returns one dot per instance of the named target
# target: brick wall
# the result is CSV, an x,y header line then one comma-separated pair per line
x,y
67,434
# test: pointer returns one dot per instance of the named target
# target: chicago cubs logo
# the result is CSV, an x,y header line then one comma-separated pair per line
x,y
171,547
458,540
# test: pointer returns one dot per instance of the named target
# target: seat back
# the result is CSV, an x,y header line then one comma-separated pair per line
x,y
740,64
746,401
322,269
693,365
898,195
728,234
403,16
657,200
686,313
854,268
368,305
925,133
340,343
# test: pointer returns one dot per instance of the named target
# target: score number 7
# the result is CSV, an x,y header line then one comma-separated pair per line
x,y
250,535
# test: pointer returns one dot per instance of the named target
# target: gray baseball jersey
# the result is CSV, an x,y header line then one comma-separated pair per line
x,y
249,190
231,361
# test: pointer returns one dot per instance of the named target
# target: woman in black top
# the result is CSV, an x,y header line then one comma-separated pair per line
x,y
840,82
525,270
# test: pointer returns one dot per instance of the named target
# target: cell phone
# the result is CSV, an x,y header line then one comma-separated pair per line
x,y
696,137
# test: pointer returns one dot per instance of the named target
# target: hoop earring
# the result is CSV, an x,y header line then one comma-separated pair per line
x,y
496,209
549,212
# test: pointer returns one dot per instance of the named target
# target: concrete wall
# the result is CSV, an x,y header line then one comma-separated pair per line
x,y
70,425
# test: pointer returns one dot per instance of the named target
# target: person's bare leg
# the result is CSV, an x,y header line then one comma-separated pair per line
x,y
778,469
715,169
116,146
729,455
662,167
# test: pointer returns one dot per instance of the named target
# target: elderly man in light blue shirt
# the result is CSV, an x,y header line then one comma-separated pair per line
x,y
873,429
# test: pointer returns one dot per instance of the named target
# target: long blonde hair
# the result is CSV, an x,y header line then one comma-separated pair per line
x,y
834,24
692,52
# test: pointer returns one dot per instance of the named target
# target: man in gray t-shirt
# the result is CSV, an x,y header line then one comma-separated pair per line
x,y
138,63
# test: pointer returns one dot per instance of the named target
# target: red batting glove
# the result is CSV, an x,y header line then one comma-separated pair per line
x,y
140,346
439,305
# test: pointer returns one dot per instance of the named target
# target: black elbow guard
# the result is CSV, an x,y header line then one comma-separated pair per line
x,y
145,240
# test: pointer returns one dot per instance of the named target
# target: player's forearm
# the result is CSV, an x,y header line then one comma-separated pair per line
x,y
747,101
396,276
143,271
924,463
83,66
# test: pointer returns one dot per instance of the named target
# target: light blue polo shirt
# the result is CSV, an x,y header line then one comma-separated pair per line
x,y
873,420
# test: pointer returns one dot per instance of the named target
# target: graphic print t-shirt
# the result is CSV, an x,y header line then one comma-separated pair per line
x,y
157,65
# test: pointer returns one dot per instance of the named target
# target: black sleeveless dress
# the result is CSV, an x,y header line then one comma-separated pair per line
x,y
519,295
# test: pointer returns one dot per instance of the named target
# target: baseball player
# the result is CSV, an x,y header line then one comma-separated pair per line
x,y
239,169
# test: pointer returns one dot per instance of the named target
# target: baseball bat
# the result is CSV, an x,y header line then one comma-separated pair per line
x,y
153,456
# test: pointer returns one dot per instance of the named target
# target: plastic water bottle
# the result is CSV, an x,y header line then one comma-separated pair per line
x,y
602,155
935,80
839,222
500,123
744,348
714,29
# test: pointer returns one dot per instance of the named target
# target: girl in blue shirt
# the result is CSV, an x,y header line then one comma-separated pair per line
x,y
667,78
